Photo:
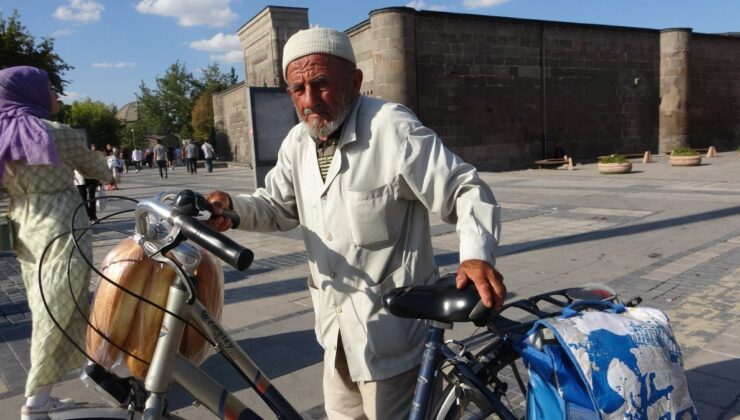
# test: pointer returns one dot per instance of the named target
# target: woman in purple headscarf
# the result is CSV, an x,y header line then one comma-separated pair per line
x,y
37,159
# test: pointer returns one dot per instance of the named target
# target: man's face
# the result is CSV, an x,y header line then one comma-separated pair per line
x,y
323,89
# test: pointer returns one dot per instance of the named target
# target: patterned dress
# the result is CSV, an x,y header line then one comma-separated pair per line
x,y
42,201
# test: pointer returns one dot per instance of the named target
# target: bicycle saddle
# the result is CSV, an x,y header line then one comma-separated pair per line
x,y
441,301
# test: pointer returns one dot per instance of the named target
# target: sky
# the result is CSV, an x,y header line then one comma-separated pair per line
x,y
115,45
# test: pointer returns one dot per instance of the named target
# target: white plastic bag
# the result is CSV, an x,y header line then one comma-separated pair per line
x,y
101,201
614,363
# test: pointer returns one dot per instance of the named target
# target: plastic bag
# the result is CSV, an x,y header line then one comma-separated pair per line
x,y
134,325
101,201
613,363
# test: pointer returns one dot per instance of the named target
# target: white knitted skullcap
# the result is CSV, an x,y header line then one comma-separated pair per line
x,y
317,41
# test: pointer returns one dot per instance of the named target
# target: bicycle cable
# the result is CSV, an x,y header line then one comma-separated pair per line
x,y
77,247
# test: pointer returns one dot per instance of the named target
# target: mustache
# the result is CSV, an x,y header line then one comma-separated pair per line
x,y
315,110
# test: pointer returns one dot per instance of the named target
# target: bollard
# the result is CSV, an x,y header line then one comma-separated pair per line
x,y
711,152
648,158
570,164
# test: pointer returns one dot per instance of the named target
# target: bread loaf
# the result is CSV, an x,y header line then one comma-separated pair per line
x,y
113,309
134,324
142,339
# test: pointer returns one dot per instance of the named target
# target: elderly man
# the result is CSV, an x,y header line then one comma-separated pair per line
x,y
360,175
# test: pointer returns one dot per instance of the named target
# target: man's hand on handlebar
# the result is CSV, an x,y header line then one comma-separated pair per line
x,y
488,281
219,201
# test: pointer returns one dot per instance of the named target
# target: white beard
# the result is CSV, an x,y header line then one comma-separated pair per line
x,y
320,129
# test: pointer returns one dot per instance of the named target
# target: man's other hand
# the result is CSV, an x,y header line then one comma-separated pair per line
x,y
488,281
219,201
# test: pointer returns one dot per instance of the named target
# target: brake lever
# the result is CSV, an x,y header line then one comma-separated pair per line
x,y
194,204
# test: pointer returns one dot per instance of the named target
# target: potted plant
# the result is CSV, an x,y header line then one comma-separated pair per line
x,y
614,164
684,157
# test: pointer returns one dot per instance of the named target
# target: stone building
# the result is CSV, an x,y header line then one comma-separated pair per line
x,y
230,122
502,92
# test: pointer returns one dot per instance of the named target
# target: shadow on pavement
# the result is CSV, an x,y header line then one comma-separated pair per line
x,y
510,249
714,389
276,355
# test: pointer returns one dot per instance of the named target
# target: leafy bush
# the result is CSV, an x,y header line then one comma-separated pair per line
x,y
684,151
613,159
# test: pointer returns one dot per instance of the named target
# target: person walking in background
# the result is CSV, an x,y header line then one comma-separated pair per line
x,y
149,158
124,162
37,160
191,157
137,156
171,157
87,187
178,157
112,161
120,164
160,156
208,155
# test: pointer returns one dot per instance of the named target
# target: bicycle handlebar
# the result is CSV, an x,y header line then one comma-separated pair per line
x,y
215,242
189,227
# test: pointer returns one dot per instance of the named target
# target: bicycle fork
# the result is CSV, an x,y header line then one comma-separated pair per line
x,y
159,377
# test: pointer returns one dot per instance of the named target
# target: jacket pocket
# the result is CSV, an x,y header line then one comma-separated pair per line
x,y
387,334
375,216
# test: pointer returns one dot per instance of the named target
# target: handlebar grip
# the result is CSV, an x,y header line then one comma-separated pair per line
x,y
231,215
215,242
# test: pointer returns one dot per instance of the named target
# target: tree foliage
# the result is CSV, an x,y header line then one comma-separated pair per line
x,y
202,117
19,48
168,107
213,80
97,118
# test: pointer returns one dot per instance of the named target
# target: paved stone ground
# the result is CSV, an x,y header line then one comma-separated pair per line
x,y
670,235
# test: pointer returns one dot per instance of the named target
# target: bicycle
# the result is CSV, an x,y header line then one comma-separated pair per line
x,y
470,367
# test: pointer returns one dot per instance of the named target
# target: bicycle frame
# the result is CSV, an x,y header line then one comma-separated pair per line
x,y
434,351
167,365
182,304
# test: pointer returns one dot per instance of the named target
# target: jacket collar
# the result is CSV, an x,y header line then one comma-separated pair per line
x,y
349,135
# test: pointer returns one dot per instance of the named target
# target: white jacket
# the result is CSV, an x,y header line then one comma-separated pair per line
x,y
366,228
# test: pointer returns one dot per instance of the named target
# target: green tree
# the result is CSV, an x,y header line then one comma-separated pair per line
x,y
19,48
212,80
166,109
202,115
98,119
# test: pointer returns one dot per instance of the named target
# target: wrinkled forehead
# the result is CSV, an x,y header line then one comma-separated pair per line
x,y
314,65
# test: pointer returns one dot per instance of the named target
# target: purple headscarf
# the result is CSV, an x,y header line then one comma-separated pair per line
x,y
24,100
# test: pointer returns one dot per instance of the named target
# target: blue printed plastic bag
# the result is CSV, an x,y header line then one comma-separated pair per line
x,y
617,363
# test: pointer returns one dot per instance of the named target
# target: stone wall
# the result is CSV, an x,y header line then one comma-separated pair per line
x,y
263,39
675,45
480,82
504,92
230,115
714,92
601,89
